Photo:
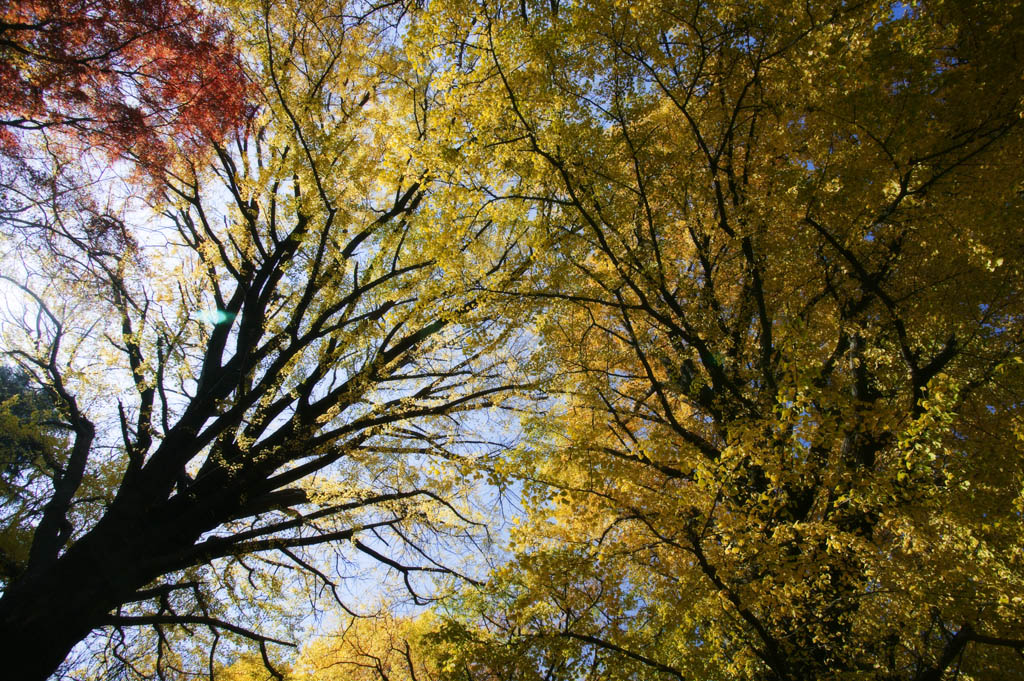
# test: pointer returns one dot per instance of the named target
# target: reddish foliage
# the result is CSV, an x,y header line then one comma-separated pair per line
x,y
128,75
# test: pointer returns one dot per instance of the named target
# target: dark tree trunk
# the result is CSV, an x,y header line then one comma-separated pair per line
x,y
44,614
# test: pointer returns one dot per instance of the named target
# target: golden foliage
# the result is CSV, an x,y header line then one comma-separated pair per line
x,y
776,259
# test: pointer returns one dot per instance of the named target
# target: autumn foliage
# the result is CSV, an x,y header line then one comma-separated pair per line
x,y
127,75
777,277
648,340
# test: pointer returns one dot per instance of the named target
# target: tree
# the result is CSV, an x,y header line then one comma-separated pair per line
x,y
367,649
771,254
128,75
27,414
29,434
776,259
294,361
384,646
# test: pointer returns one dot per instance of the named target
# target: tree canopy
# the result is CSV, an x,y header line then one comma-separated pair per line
x,y
726,297
124,74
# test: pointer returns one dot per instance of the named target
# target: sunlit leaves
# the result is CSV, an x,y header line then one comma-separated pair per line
x,y
771,246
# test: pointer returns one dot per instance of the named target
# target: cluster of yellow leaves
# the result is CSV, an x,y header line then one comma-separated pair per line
x,y
363,649
775,267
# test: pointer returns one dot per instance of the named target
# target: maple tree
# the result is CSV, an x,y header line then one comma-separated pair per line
x,y
127,75
777,272
284,352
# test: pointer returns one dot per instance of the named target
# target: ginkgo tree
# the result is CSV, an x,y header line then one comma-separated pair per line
x,y
776,267
269,372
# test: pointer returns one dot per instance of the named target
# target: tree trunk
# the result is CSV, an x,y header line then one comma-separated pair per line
x,y
44,614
